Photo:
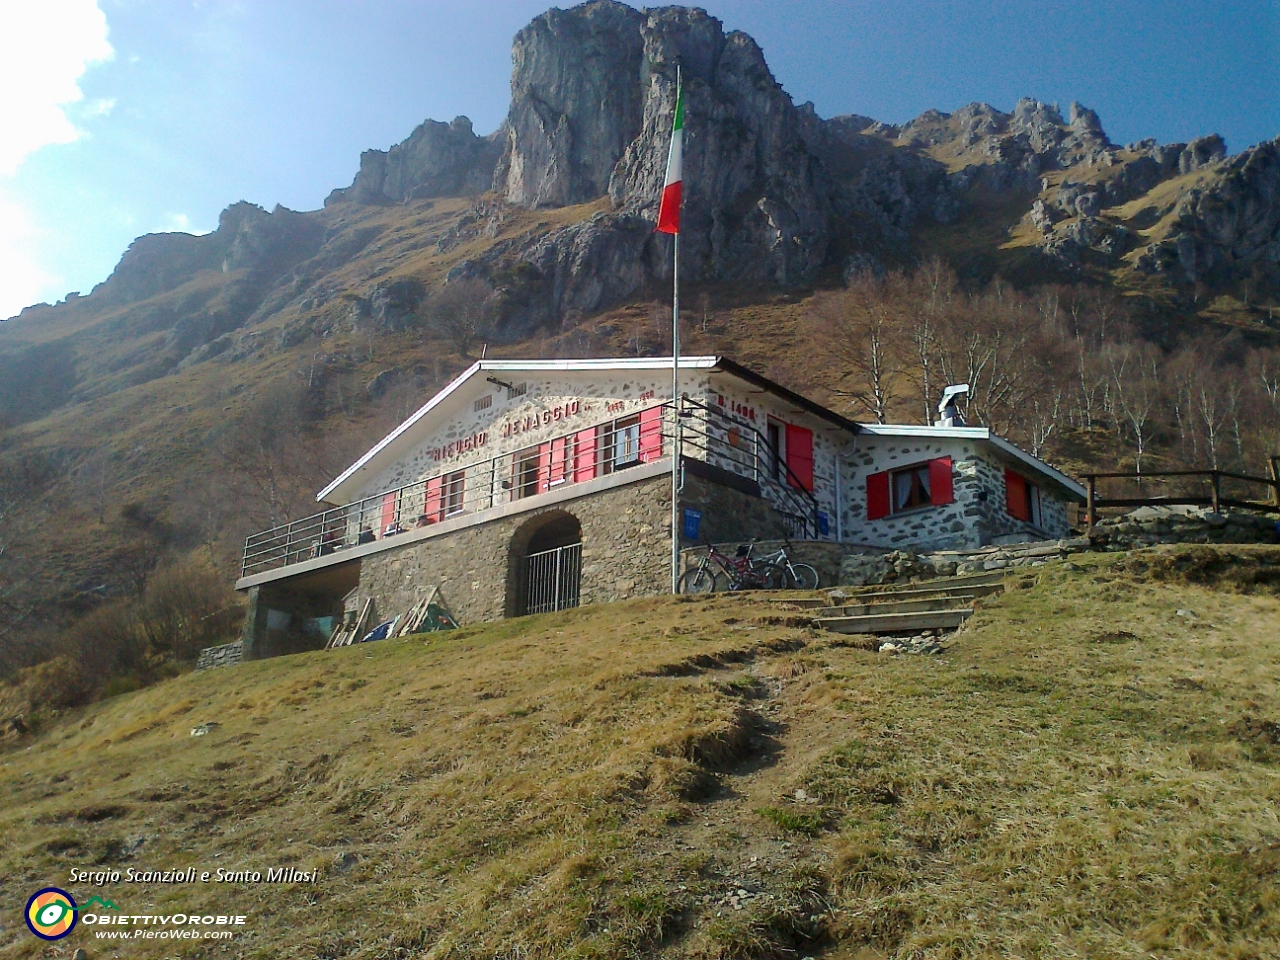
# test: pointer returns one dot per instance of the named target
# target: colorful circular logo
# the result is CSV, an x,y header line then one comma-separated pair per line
x,y
51,913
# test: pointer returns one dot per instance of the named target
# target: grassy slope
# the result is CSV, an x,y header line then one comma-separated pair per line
x,y
1070,779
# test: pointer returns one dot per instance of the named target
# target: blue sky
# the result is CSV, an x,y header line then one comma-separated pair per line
x,y
123,117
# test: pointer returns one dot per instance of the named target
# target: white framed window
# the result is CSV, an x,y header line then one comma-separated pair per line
x,y
911,488
455,488
626,442
775,455
526,468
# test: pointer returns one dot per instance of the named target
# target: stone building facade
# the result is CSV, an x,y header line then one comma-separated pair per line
x,y
531,485
978,510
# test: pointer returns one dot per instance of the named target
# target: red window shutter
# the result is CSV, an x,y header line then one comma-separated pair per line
x,y
544,467
799,457
940,482
559,454
651,434
389,510
584,467
431,506
1017,502
877,496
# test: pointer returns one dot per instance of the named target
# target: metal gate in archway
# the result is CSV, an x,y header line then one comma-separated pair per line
x,y
553,579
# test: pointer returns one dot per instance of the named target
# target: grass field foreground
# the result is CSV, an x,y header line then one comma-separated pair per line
x,y
1091,769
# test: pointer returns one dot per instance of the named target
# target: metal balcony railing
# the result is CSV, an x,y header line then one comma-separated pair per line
x,y
570,458
471,488
743,449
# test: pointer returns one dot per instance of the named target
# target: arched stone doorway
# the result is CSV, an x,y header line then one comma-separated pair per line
x,y
545,571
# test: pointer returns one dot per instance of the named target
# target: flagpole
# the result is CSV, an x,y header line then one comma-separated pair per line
x,y
675,408
675,396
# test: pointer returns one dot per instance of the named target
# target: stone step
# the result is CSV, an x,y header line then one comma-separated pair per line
x,y
945,602
898,622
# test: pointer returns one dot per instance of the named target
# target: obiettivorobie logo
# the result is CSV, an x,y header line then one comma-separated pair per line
x,y
52,913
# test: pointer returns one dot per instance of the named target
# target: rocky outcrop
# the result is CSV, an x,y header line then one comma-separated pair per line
x,y
593,90
774,194
756,200
575,103
437,160
1228,230
248,238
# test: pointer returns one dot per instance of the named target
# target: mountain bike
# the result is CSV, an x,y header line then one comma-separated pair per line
x,y
719,571
780,573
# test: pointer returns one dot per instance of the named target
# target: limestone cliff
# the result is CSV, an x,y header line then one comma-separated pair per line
x,y
775,194
576,103
437,160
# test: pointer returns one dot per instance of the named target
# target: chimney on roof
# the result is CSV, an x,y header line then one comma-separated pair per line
x,y
948,415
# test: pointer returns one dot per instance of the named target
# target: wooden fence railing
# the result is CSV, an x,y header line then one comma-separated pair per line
x,y
1201,488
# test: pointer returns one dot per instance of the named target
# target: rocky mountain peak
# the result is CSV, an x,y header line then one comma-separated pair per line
x,y
575,103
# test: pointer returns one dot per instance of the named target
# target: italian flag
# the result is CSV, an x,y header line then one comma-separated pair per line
x,y
669,209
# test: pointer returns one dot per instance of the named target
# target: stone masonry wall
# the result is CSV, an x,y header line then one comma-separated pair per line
x,y
226,655
750,410
551,406
728,515
625,551
978,515
1150,525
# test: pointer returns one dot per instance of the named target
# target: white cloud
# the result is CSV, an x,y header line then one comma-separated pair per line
x,y
22,280
99,108
179,223
45,48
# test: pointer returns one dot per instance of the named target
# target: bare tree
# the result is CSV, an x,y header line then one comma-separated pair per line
x,y
704,307
271,457
860,330
1135,380
462,311
92,480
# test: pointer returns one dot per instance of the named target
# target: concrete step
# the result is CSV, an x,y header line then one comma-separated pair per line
x,y
898,622
926,593
969,579
977,584
924,604
799,603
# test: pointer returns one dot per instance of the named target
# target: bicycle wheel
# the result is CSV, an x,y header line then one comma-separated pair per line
x,y
775,577
800,576
698,580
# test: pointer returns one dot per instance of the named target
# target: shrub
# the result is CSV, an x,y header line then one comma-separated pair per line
x,y
185,608
56,684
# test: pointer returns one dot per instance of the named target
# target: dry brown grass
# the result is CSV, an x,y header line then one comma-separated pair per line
x,y
603,782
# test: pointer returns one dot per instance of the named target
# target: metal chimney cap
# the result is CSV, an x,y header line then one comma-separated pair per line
x,y
947,414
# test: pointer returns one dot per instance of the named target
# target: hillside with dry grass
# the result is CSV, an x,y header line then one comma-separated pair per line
x,y
1089,769
1111,306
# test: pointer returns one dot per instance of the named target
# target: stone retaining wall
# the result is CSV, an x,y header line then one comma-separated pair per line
x,y
1173,524
1144,527
824,556
227,655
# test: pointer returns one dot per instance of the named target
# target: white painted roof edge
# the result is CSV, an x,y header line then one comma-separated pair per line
x,y
977,433
599,363
418,415
1057,476
921,430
